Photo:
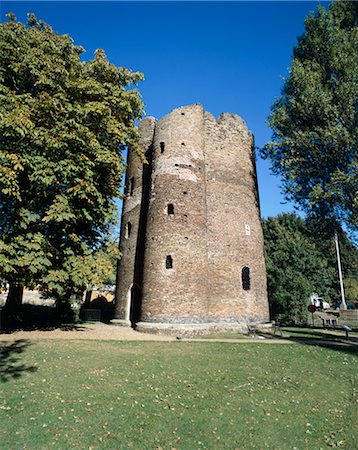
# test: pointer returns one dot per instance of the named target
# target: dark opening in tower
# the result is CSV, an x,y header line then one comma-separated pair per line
x,y
162,147
169,262
170,209
131,186
245,278
127,230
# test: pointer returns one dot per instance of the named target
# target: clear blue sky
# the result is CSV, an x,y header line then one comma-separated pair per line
x,y
229,56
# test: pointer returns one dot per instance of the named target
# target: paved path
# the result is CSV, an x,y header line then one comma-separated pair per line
x,y
101,331
96,331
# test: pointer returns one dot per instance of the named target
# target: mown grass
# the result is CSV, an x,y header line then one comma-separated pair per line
x,y
294,333
181,395
317,333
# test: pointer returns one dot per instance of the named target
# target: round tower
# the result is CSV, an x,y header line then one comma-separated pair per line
x,y
236,264
175,262
133,229
191,239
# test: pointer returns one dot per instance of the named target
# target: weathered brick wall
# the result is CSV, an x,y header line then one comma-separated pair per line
x,y
205,169
234,233
177,179
133,214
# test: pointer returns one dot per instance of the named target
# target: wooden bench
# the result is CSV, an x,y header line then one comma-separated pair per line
x,y
277,328
252,330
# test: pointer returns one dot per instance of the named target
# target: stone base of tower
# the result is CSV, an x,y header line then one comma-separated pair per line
x,y
121,322
188,330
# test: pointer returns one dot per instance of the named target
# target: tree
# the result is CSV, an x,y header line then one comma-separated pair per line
x,y
319,232
351,289
295,268
106,260
314,122
63,126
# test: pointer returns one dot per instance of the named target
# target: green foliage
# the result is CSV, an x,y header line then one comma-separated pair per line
x,y
351,290
301,259
63,126
320,232
314,122
295,268
106,258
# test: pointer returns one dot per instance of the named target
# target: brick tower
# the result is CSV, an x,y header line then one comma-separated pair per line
x,y
191,235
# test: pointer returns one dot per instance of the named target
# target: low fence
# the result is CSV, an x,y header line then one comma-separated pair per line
x,y
334,319
30,297
35,297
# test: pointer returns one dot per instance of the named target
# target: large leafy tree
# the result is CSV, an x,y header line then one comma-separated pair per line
x,y
63,126
300,260
295,268
314,121
319,233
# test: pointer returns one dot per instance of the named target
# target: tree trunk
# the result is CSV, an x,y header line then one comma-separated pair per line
x,y
88,297
12,308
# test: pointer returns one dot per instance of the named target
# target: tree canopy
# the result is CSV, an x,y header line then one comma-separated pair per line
x,y
300,260
314,121
64,124
295,268
320,234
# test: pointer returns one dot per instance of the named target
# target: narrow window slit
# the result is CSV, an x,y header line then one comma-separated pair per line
x,y
131,186
162,147
245,278
170,209
127,230
169,262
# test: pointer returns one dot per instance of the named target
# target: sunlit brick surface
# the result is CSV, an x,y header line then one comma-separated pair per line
x,y
205,168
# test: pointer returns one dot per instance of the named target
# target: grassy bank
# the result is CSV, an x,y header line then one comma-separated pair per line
x,y
147,395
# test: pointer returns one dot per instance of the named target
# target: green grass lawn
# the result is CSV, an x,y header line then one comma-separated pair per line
x,y
317,333
294,333
176,395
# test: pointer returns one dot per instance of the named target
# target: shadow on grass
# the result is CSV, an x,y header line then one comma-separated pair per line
x,y
332,335
44,327
318,339
42,318
10,365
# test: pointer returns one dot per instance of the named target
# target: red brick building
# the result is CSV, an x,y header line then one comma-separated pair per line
x,y
191,236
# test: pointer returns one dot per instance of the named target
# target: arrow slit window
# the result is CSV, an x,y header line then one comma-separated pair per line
x,y
169,262
131,186
127,230
245,278
170,209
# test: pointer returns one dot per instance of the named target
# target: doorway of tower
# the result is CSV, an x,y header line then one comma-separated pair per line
x,y
135,305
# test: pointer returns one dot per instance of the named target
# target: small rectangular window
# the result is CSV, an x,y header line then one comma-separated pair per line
x,y
162,147
131,186
170,209
245,278
169,262
127,230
